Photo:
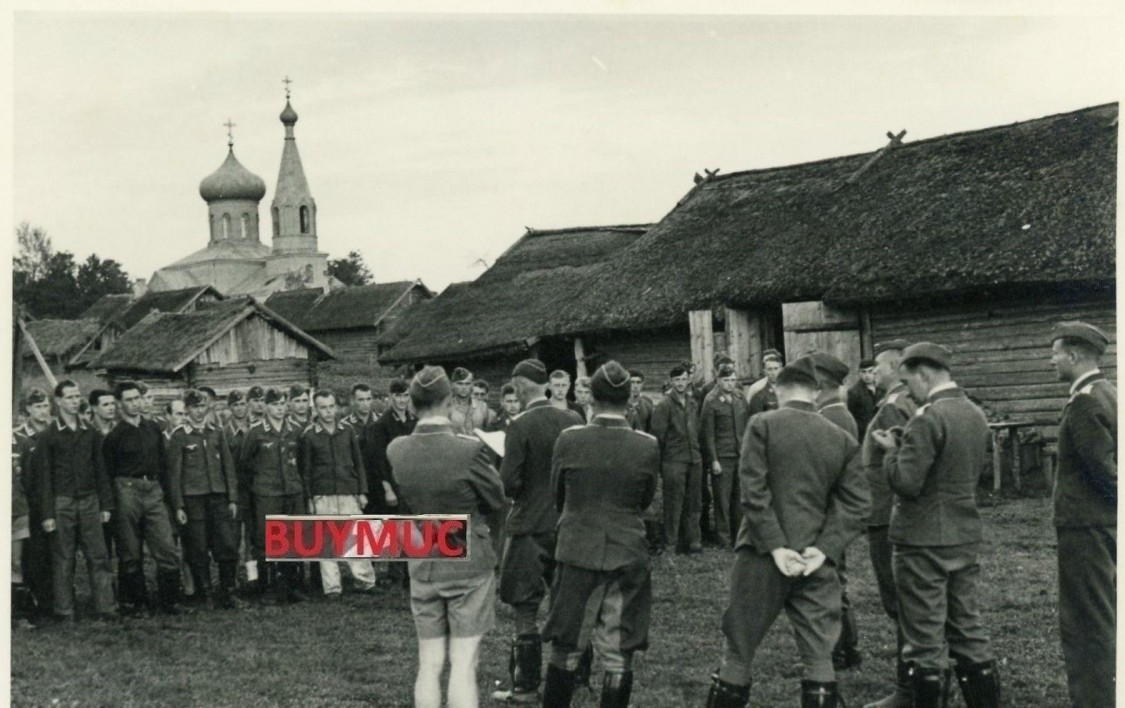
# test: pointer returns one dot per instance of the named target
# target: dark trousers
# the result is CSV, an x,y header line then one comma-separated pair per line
x,y
38,566
938,608
526,572
728,508
285,576
142,516
209,533
880,550
1087,613
682,502
78,524
758,594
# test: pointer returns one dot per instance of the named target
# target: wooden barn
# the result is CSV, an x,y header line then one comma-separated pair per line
x,y
58,341
980,241
515,309
228,344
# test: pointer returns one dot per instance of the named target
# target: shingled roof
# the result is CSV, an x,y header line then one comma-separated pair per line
x,y
1031,204
174,301
107,307
167,342
344,308
60,339
515,301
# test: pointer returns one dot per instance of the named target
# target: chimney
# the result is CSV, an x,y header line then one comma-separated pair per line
x,y
140,287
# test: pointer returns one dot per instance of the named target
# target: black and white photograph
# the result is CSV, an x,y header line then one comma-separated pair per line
x,y
768,358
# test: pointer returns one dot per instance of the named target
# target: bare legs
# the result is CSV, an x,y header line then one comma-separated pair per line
x,y
464,654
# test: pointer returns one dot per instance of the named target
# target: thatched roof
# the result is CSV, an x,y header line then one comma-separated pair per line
x,y
107,307
517,300
344,308
173,301
1026,205
167,342
60,338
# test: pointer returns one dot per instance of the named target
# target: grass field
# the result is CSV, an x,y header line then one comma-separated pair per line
x,y
361,651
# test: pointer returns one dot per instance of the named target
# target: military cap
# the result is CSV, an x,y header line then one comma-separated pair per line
x,y
891,345
927,352
773,354
799,371
274,395
208,390
235,396
677,370
829,368
725,370
460,374
194,397
866,364
533,370
1088,333
398,386
610,383
256,393
34,395
430,386
297,390
637,374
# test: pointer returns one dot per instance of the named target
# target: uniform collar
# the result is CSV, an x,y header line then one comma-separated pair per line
x,y
407,415
355,419
433,425
1088,377
319,427
539,403
801,406
190,427
60,425
897,388
828,402
611,420
945,390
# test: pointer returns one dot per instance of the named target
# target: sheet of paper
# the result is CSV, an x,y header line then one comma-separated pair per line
x,y
494,440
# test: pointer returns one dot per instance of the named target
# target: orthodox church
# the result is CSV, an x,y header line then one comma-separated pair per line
x,y
235,261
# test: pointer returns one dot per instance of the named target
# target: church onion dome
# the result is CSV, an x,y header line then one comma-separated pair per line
x,y
232,181
288,115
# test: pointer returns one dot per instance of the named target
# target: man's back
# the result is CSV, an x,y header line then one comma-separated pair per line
x,y
529,445
1086,486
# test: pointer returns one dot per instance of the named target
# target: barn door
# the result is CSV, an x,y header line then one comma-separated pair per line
x,y
814,326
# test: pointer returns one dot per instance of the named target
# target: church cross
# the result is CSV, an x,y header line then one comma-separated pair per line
x,y
230,135
287,81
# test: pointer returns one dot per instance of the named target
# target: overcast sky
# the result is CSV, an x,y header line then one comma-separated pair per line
x,y
432,141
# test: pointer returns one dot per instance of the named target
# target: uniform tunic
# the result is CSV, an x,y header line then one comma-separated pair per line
x,y
37,573
604,475
267,465
675,424
1085,502
936,530
724,417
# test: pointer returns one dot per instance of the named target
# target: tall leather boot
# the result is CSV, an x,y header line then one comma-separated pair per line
x,y
617,686
134,593
168,592
901,696
727,695
228,579
559,687
820,694
980,684
585,666
845,655
525,665
929,687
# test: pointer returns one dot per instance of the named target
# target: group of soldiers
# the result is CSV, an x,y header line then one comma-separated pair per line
x,y
587,492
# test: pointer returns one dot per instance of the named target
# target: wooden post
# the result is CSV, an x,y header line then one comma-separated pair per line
x,y
38,355
579,358
744,341
702,343
997,460
866,334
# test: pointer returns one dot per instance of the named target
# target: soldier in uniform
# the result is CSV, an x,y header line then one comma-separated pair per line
x,y
204,491
238,424
211,396
762,396
559,383
104,405
455,603
1085,500
804,500
75,499
831,372
895,409
724,417
267,465
639,410
335,484
936,532
604,475
36,563
23,604
529,552
361,416
135,460
509,407
300,407
583,398
863,396
383,496
255,399
235,430
675,424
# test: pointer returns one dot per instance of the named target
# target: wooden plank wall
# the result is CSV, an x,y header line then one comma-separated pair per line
x,y
352,345
816,326
253,339
275,372
1002,352
653,352
701,327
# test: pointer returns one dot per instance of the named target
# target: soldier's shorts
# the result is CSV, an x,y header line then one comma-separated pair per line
x,y
758,593
464,607
527,569
610,608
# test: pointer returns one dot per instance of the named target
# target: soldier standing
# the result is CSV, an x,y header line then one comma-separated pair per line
x,y
509,407
383,496
675,424
335,484
529,553
896,408
804,500
300,407
936,532
604,475
762,396
864,395
204,489
37,563
268,466
255,399
639,410
724,417
1085,500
